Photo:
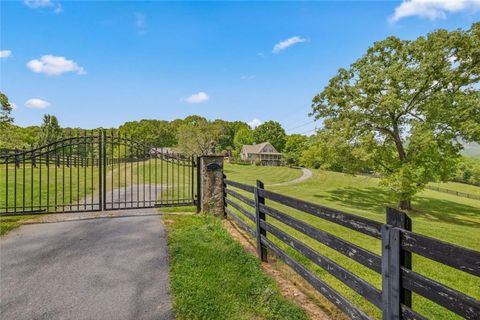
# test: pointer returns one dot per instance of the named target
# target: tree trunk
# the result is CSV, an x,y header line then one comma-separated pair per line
x,y
406,204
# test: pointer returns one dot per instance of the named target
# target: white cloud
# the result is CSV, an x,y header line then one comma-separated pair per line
x,y
5,53
282,45
197,98
36,103
247,77
433,9
254,123
35,4
140,22
53,65
13,105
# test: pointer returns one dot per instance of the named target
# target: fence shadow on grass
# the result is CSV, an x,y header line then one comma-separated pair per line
x,y
372,199
375,199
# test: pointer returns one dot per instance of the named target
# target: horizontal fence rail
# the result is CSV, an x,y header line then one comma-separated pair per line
x,y
246,205
457,193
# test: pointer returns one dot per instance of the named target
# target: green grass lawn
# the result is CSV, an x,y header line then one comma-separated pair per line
x,y
269,175
439,215
212,277
459,187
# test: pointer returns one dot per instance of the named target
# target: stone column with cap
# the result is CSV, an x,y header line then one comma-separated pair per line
x,y
211,185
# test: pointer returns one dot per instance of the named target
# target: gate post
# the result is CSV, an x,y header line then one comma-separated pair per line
x,y
211,185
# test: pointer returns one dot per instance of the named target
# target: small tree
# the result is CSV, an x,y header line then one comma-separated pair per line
x,y
401,108
270,131
6,109
294,146
50,130
242,137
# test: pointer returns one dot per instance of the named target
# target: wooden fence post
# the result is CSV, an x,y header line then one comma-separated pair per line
x,y
261,249
390,272
400,219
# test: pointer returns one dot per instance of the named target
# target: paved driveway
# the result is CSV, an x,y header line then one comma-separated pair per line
x,y
106,268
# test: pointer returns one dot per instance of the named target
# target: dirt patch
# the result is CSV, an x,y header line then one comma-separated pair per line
x,y
292,286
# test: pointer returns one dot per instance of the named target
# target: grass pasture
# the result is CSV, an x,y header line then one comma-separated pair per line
x,y
439,215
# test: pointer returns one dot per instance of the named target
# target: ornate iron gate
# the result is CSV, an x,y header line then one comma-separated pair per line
x,y
93,172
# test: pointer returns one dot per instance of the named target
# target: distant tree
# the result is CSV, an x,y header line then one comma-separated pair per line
x,y
468,171
401,108
228,132
295,145
154,133
15,137
272,132
50,130
195,138
243,136
6,109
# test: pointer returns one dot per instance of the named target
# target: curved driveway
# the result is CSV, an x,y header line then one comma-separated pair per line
x,y
306,174
107,268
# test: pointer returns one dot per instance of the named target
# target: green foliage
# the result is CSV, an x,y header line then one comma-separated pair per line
x,y
294,146
270,131
212,277
197,136
13,136
155,133
400,108
243,136
50,130
468,171
5,110
226,140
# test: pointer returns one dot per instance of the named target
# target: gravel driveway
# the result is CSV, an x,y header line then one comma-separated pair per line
x,y
106,268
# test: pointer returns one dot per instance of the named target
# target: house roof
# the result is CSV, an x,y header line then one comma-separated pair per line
x,y
257,148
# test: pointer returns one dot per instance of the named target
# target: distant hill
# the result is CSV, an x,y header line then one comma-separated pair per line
x,y
471,150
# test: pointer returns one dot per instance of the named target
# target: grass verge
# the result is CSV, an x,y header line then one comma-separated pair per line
x,y
8,223
212,277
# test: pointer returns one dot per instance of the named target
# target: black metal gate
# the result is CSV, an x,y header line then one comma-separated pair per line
x,y
93,172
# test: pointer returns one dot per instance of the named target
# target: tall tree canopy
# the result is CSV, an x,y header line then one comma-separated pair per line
x,y
196,137
402,107
243,136
155,133
295,145
271,131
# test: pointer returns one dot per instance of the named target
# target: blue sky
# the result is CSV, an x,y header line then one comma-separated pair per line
x,y
98,64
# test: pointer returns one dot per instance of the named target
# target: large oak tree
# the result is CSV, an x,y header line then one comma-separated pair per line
x,y
402,108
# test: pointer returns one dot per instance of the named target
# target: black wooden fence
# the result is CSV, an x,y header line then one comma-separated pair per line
x,y
457,193
395,264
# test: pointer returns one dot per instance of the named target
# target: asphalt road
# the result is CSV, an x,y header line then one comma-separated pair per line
x,y
106,268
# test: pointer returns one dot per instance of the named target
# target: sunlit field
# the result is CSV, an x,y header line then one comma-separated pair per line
x,y
439,215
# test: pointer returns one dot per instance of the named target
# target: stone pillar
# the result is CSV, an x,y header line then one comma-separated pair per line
x,y
211,185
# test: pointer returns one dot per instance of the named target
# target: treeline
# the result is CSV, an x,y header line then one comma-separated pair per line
x,y
193,135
